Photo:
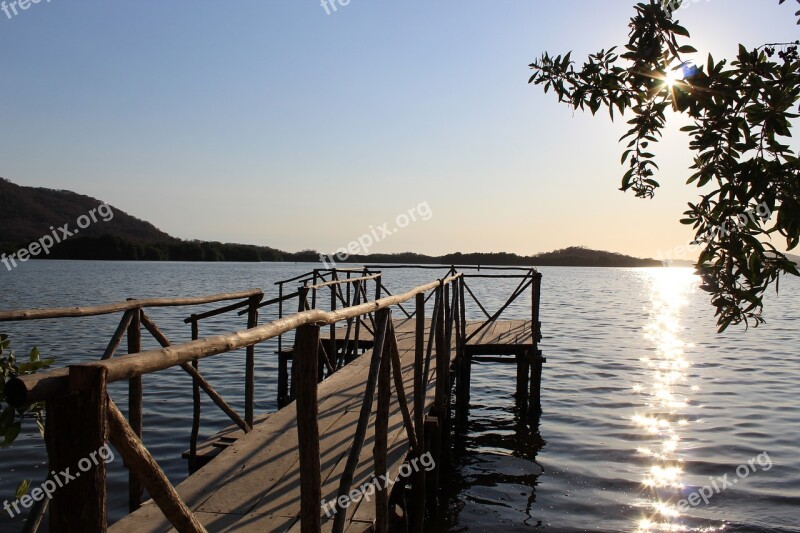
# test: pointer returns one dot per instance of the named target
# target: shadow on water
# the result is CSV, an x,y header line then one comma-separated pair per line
x,y
494,471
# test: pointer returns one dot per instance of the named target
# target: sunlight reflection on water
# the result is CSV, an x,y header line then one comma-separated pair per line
x,y
666,395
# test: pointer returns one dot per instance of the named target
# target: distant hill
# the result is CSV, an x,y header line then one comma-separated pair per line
x,y
572,256
28,213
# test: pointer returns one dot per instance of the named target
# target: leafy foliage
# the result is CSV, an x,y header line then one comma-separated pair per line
x,y
11,418
742,113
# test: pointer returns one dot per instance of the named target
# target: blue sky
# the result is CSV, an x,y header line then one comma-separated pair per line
x,y
271,122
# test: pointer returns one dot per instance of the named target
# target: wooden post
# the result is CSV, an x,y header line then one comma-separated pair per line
x,y
380,450
399,386
442,355
75,429
346,480
193,466
535,407
250,379
357,338
349,301
117,337
306,359
534,354
135,490
332,351
142,464
523,370
466,356
280,315
462,380
418,505
314,292
440,403
283,379
302,293
448,316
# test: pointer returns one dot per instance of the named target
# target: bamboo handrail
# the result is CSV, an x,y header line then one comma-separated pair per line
x,y
64,312
45,385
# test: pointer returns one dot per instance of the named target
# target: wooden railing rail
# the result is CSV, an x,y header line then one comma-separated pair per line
x,y
130,325
107,309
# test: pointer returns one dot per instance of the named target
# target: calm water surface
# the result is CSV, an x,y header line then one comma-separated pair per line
x,y
644,405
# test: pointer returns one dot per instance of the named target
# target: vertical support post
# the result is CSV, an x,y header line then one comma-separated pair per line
x,y
462,369
306,359
380,450
440,402
523,371
535,407
135,490
441,354
448,316
346,480
283,380
357,338
333,353
314,292
250,365
280,315
418,506
75,428
301,306
467,368
193,466
535,355
349,301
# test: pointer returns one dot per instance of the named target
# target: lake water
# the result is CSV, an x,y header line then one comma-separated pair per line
x,y
644,405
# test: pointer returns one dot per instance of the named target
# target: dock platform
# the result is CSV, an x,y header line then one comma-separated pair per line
x,y
254,483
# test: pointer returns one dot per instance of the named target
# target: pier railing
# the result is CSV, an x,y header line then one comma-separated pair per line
x,y
82,417
134,320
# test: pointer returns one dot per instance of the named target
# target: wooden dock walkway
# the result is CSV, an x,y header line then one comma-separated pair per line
x,y
254,484
368,401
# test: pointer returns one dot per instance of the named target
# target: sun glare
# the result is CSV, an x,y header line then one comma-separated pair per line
x,y
673,76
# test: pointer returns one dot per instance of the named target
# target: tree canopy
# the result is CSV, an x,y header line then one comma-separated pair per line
x,y
742,112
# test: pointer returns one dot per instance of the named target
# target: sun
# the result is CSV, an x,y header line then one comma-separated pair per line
x,y
672,77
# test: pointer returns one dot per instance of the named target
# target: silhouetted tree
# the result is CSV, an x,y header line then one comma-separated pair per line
x,y
742,114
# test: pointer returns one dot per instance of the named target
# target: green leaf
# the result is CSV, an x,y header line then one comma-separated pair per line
x,y
680,30
22,489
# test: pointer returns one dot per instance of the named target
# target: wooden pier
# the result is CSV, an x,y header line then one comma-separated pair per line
x,y
376,397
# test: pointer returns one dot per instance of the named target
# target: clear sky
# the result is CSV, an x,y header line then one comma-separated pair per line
x,y
272,122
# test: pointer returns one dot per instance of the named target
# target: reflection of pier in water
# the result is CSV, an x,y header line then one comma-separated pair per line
x,y
393,376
